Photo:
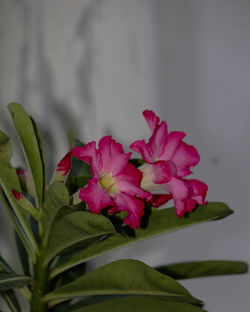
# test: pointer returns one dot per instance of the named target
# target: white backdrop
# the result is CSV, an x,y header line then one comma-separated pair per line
x,y
96,65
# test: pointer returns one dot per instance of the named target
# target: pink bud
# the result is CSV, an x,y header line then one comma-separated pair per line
x,y
18,196
64,165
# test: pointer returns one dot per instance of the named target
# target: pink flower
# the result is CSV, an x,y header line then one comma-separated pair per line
x,y
63,168
115,184
64,164
168,160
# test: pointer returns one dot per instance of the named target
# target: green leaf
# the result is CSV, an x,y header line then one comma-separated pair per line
x,y
5,148
124,277
138,304
16,223
12,280
57,197
195,269
160,222
39,142
23,256
4,265
137,162
71,138
68,276
75,183
11,300
79,168
9,295
75,230
8,181
30,139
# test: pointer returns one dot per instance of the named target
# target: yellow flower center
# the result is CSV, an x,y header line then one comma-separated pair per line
x,y
108,183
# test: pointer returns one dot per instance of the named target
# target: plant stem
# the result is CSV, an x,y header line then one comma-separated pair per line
x,y
40,288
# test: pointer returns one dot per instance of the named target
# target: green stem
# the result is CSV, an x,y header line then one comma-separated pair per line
x,y
40,288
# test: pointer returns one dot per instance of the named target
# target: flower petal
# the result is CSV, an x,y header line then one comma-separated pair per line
x,y
160,199
112,157
151,119
129,182
180,192
173,141
198,191
143,149
134,207
185,157
155,174
64,164
158,141
88,154
95,196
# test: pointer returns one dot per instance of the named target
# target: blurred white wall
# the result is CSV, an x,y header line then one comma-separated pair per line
x,y
95,65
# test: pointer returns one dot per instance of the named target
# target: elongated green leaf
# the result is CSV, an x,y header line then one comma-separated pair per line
x,y
124,277
68,276
8,181
11,300
5,149
4,265
30,139
160,222
12,280
16,223
9,295
39,142
71,138
203,268
76,229
57,198
139,304
23,256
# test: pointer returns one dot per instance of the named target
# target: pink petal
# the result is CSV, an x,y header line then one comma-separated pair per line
x,y
112,157
95,196
180,193
88,154
143,149
158,141
155,174
64,165
134,207
129,181
162,172
154,150
185,157
190,204
160,199
173,140
151,119
198,191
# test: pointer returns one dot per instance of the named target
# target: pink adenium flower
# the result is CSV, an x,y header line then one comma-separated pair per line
x,y
168,160
115,184
64,164
63,168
